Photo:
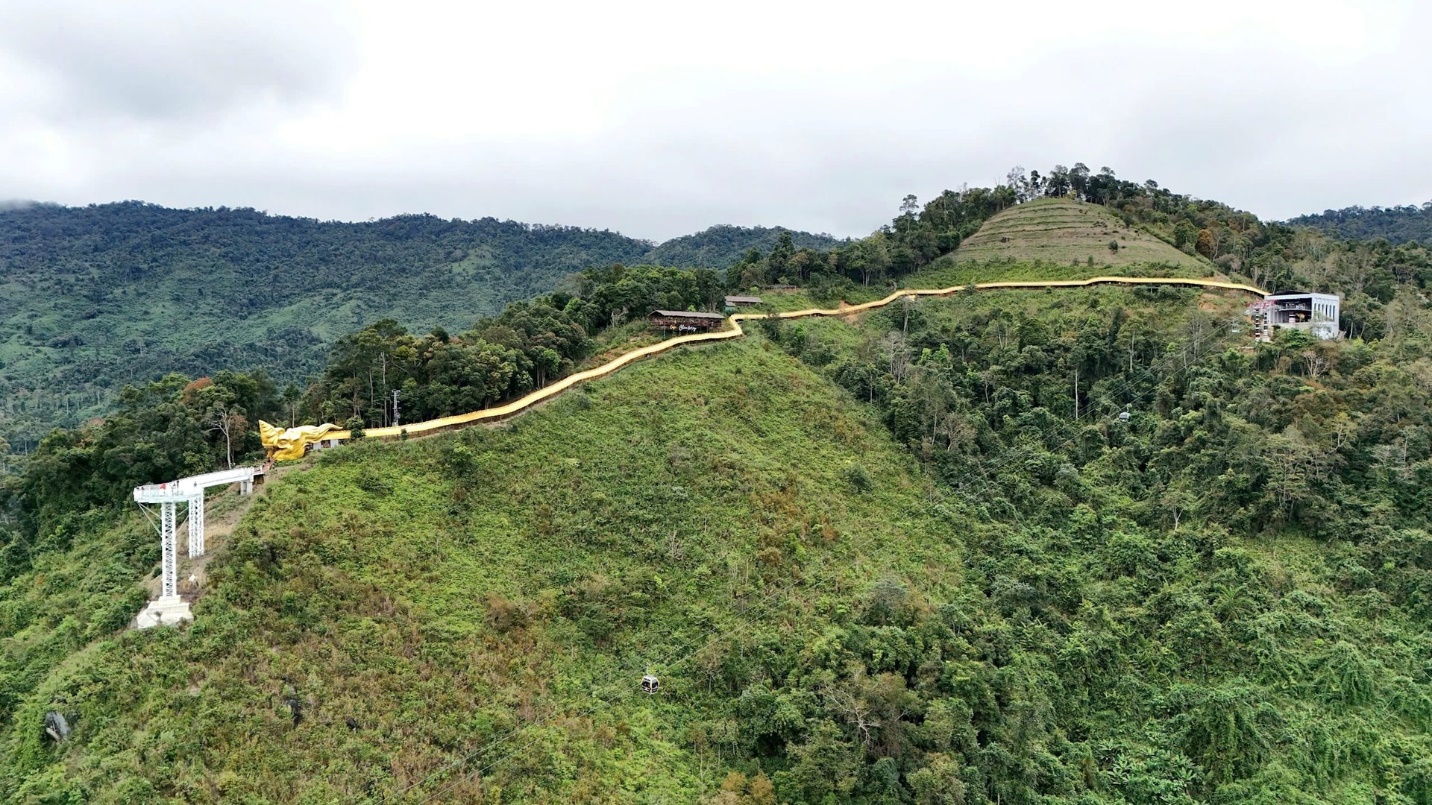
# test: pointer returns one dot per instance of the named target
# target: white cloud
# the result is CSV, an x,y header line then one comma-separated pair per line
x,y
166,60
659,119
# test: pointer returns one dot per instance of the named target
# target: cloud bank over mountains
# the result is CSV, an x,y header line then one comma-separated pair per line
x,y
658,120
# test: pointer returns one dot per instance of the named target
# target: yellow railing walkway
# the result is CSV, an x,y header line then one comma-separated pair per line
x,y
522,404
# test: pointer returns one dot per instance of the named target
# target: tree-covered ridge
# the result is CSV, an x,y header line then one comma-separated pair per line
x,y
531,343
1394,224
98,297
722,246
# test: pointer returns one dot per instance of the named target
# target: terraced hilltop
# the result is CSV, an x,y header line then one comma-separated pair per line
x,y
1064,232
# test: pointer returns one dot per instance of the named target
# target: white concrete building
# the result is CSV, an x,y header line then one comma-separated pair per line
x,y
1315,313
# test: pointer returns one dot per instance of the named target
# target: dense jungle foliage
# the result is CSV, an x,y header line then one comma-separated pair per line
x,y
1394,224
1201,592
94,298
1021,547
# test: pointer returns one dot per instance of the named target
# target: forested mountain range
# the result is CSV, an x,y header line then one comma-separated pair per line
x,y
1393,224
92,298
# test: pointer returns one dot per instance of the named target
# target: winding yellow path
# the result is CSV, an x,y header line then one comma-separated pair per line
x,y
522,404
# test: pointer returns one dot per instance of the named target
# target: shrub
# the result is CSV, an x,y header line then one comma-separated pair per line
x,y
504,615
858,477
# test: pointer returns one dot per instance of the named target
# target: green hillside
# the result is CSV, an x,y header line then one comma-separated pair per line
x,y
907,558
1085,545
533,574
1062,232
100,296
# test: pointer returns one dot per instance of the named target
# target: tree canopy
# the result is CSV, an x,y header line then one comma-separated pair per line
x,y
1396,225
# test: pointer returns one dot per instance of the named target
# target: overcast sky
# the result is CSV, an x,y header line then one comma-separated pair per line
x,y
662,118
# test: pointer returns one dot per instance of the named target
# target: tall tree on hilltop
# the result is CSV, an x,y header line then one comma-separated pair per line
x,y
781,256
1018,183
1079,180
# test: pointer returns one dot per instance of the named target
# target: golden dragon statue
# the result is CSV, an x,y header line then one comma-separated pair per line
x,y
287,444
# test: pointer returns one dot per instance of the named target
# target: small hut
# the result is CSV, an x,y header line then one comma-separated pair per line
x,y
742,301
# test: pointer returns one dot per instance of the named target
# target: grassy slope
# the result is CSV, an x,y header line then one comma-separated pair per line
x,y
365,584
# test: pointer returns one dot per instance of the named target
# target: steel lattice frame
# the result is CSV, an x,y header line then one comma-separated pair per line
x,y
166,537
196,525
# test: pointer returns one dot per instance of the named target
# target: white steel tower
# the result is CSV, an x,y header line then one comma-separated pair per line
x,y
169,608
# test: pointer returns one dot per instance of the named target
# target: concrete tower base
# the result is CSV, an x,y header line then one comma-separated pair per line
x,y
164,611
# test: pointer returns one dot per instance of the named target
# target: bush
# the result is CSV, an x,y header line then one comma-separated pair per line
x,y
857,476
505,615
355,428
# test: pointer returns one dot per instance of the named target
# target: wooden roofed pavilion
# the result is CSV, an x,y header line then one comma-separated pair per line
x,y
686,320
